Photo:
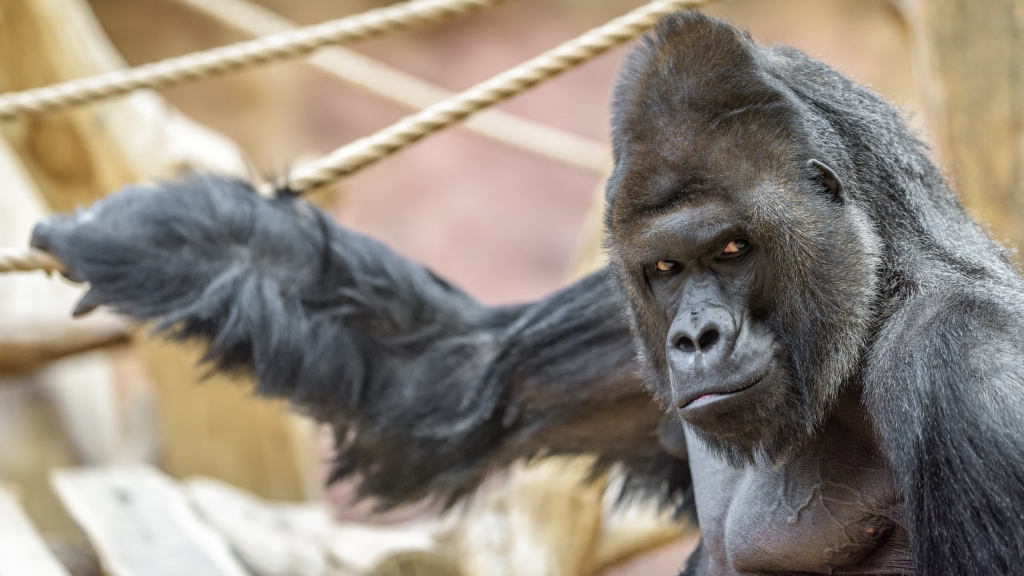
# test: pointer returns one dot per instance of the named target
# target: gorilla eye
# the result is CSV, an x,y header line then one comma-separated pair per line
x,y
668,266
735,247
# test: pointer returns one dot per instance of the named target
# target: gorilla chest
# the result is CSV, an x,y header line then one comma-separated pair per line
x,y
832,508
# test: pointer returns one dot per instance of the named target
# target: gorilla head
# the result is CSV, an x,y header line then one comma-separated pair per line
x,y
749,268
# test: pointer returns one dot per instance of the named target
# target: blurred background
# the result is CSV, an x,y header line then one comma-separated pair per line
x,y
500,223
505,225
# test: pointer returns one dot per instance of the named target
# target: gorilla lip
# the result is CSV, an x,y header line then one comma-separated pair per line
x,y
705,398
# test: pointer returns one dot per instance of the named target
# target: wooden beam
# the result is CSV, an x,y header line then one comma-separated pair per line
x,y
542,520
216,427
141,524
972,55
28,343
269,538
301,539
79,156
83,390
22,551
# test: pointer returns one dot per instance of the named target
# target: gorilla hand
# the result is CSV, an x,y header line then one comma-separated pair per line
x,y
151,251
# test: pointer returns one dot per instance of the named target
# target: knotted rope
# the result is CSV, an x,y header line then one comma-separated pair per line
x,y
281,46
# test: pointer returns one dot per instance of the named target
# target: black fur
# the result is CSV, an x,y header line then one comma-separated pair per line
x,y
427,389
888,304
882,288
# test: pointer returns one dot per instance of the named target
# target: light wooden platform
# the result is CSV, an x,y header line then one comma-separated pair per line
x,y
142,522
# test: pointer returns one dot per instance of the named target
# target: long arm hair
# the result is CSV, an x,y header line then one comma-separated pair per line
x,y
427,389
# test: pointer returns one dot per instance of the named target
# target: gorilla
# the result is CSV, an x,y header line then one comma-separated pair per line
x,y
801,339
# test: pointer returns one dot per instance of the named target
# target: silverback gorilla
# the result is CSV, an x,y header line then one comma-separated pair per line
x,y
832,351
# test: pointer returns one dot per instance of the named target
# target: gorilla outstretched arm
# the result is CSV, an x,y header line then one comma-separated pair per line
x,y
426,387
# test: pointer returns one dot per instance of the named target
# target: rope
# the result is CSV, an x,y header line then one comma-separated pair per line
x,y
397,86
28,260
366,151
285,45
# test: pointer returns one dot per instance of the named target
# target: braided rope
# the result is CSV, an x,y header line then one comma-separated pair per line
x,y
28,260
397,86
366,151
285,45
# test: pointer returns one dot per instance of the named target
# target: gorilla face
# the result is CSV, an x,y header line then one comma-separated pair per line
x,y
700,267
749,271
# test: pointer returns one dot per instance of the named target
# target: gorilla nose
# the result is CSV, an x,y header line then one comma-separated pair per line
x,y
704,342
706,333
698,341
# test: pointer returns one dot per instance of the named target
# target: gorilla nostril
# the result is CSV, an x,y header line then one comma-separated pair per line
x,y
687,345
708,339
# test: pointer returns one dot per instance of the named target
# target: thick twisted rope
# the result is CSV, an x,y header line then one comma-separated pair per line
x,y
397,86
281,46
366,151
28,260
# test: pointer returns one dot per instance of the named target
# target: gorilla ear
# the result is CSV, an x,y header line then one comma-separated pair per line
x,y
828,179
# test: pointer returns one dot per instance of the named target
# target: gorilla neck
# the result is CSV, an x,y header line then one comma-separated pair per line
x,y
831,508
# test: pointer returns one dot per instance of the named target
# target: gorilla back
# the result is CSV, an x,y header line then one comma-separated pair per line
x,y
834,346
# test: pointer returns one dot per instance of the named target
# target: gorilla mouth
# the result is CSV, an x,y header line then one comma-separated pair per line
x,y
704,398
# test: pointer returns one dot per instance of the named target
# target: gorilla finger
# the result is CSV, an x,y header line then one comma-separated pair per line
x,y
88,303
47,236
